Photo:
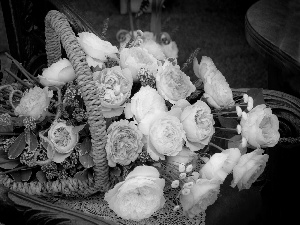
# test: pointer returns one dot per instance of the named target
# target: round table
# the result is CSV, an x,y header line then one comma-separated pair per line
x,y
272,28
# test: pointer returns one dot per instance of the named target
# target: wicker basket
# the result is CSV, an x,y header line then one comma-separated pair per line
x,y
57,32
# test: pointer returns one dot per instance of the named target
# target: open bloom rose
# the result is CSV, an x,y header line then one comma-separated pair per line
x,y
64,139
249,168
114,85
135,58
58,74
260,128
173,84
144,102
95,47
198,124
34,103
202,194
220,164
124,143
166,136
139,196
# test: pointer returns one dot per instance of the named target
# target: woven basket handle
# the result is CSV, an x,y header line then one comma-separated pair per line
x,y
58,29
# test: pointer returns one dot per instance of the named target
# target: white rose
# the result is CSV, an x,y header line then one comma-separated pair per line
x,y
145,101
173,84
114,85
166,136
135,58
64,139
139,196
34,103
124,143
202,194
58,74
260,127
249,168
198,124
95,47
220,164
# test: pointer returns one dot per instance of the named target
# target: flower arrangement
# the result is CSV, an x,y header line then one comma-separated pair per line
x,y
162,129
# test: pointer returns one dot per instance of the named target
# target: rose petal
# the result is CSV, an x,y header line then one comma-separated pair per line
x,y
143,171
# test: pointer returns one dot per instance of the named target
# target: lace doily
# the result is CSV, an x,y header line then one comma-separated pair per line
x,y
98,207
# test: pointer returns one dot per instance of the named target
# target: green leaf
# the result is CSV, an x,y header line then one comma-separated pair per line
x,y
33,141
3,157
16,175
17,147
257,95
21,175
86,160
82,175
25,174
40,175
77,129
44,143
85,147
228,122
10,164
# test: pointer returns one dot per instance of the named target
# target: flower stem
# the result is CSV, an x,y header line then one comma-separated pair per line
x,y
216,146
221,138
17,78
8,134
11,97
234,117
224,128
222,113
242,104
59,103
15,169
22,69
6,86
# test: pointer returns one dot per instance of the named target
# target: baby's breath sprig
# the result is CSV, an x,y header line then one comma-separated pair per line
x,y
29,123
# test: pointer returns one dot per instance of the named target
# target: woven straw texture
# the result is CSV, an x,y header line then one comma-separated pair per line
x,y
58,32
